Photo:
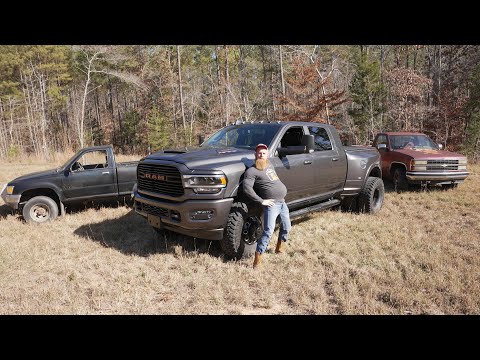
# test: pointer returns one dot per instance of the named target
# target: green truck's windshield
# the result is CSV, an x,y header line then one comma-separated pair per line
x,y
245,136
412,142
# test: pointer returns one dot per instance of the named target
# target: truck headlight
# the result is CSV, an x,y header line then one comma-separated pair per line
x,y
135,188
462,164
10,189
205,184
419,165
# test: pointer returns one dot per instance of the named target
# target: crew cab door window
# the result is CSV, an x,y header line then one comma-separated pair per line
x,y
292,137
322,140
329,166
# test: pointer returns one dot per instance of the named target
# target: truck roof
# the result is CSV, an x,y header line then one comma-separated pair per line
x,y
401,133
98,147
260,122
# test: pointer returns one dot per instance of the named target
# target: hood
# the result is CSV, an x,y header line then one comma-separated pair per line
x,y
430,154
36,175
360,148
208,158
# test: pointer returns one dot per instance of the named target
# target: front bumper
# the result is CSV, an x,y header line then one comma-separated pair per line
x,y
10,200
162,214
437,177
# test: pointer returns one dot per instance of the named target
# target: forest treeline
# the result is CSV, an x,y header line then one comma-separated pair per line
x,y
142,98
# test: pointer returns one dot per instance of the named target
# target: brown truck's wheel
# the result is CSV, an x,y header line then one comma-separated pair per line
x,y
400,180
244,228
40,209
371,197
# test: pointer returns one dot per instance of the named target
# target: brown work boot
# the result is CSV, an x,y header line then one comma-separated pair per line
x,y
258,260
280,249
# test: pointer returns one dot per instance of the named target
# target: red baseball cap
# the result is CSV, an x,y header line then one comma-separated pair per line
x,y
261,146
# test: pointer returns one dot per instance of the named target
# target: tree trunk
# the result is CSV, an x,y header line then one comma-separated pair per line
x,y
172,85
29,122
43,94
264,83
219,84
181,96
82,110
30,102
243,92
281,75
3,133
89,70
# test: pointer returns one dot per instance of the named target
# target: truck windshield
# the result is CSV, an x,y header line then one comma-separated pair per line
x,y
412,142
245,136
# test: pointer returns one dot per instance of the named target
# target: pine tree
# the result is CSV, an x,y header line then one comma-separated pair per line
x,y
368,94
159,130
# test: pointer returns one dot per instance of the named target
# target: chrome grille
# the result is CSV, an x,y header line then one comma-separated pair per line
x,y
442,165
168,181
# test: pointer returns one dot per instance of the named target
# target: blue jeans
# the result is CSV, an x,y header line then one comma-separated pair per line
x,y
270,215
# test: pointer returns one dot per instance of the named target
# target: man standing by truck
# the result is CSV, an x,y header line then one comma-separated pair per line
x,y
262,185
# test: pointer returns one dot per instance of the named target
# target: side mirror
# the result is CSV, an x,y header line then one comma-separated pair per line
x,y
291,150
382,147
201,139
440,146
309,142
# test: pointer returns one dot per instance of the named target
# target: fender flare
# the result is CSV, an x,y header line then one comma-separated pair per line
x,y
55,189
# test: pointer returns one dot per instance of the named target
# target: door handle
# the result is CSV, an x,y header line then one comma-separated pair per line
x,y
306,162
105,172
334,159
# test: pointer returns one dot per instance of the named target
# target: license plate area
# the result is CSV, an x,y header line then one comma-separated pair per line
x,y
154,221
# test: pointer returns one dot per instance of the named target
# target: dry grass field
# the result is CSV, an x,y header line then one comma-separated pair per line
x,y
419,255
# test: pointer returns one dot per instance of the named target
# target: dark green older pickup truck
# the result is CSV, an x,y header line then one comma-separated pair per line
x,y
198,192
91,174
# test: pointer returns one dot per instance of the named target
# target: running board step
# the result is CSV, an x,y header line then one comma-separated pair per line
x,y
316,207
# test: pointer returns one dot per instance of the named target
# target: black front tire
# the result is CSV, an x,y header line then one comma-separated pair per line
x,y
244,228
370,199
40,209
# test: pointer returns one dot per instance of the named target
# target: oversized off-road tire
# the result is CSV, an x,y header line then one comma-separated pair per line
x,y
244,228
371,197
40,209
400,182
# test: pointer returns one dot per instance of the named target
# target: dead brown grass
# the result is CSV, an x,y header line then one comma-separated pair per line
x,y
418,255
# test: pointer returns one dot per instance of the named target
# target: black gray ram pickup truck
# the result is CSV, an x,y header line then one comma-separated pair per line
x,y
198,192
91,174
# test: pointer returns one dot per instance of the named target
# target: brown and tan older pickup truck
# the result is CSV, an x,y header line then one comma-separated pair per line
x,y
410,158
